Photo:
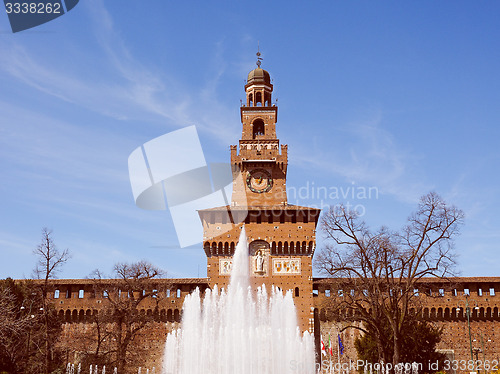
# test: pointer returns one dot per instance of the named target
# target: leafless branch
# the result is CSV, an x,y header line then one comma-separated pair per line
x,y
382,268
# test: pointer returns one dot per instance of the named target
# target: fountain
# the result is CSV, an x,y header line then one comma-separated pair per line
x,y
233,332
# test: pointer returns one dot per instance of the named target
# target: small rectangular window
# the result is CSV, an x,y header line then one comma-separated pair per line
x,y
455,292
315,293
80,294
56,294
466,291
341,293
178,293
365,292
119,294
105,293
492,291
155,294
327,293
441,292
168,293
415,291
479,292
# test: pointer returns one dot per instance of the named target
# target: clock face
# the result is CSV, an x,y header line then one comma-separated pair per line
x,y
259,181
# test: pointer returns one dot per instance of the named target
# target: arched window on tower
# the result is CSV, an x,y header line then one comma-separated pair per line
x,y
297,291
258,128
267,101
258,99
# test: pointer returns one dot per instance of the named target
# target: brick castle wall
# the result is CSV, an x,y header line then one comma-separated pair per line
x,y
442,303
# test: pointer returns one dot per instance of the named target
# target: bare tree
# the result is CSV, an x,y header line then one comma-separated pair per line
x,y
378,271
21,328
13,328
50,261
125,294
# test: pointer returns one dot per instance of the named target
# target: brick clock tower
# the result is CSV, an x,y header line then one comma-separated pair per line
x,y
281,237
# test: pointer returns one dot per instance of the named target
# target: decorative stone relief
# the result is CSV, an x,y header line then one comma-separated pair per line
x,y
225,266
286,266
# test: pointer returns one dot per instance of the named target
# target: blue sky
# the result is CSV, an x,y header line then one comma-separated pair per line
x,y
397,96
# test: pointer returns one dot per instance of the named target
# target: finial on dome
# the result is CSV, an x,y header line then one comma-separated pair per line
x,y
259,59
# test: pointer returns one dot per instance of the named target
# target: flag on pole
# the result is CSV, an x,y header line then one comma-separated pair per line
x,y
323,348
330,345
341,346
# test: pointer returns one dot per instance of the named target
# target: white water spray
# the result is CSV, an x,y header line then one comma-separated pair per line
x,y
231,332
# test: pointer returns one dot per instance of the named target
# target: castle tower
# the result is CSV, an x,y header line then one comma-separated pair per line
x,y
281,237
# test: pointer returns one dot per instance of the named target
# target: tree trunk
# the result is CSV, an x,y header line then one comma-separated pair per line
x,y
380,348
46,321
396,346
119,354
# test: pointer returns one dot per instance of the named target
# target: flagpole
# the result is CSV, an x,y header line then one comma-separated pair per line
x,y
330,351
338,347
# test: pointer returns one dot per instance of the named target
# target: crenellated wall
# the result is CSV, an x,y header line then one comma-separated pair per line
x,y
442,302
78,300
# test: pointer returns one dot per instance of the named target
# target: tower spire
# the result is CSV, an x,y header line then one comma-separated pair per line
x,y
259,59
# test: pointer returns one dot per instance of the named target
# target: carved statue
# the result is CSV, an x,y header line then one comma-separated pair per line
x,y
259,262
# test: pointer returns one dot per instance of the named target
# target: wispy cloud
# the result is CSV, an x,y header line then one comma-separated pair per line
x,y
35,145
123,88
15,244
364,152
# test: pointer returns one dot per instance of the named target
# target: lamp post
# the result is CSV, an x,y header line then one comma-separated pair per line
x,y
467,309
483,350
23,308
468,314
476,351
